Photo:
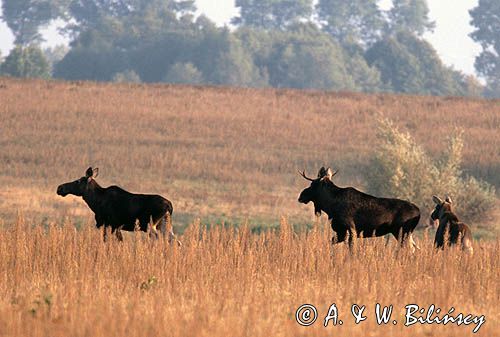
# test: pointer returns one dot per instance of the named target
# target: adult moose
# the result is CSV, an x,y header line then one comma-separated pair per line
x,y
118,209
450,225
356,213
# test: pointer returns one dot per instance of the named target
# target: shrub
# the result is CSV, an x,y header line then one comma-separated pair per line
x,y
184,73
402,169
127,76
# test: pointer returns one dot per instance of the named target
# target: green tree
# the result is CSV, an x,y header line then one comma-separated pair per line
x,y
91,13
410,15
307,58
25,17
272,14
411,65
26,62
351,22
184,73
486,20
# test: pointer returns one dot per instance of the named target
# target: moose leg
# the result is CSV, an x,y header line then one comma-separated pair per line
x,y
340,236
153,232
118,233
166,229
105,233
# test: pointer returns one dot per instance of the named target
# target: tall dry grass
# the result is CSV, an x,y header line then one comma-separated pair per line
x,y
57,281
217,153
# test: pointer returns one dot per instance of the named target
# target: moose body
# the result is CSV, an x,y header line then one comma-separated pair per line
x,y
118,209
352,212
450,228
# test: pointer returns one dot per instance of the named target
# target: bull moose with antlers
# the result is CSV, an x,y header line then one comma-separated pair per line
x,y
352,212
118,209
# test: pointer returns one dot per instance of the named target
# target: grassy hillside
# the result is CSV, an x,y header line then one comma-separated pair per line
x,y
217,153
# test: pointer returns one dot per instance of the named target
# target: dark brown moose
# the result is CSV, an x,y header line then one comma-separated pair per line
x,y
450,229
118,209
352,212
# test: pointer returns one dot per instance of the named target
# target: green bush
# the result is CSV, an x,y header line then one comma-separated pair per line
x,y
127,76
402,169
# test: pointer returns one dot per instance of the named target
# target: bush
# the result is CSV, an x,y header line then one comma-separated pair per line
x,y
184,73
402,169
127,76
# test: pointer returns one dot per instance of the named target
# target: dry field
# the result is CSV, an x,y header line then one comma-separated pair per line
x,y
224,282
220,154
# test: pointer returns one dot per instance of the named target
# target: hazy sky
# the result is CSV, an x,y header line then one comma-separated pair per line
x,y
450,37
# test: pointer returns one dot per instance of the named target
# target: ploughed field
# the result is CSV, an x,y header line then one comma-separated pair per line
x,y
58,281
219,154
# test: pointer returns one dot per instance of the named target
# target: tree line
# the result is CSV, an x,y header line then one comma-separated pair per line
x,y
329,44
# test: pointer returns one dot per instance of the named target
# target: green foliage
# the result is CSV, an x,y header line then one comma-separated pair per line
x,y
307,58
351,22
272,14
24,18
411,16
185,73
486,20
275,45
26,62
402,169
127,76
411,65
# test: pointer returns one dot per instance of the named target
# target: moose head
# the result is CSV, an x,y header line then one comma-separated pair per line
x,y
317,188
442,207
79,186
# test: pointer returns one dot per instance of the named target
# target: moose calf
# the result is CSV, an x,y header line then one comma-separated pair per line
x,y
449,223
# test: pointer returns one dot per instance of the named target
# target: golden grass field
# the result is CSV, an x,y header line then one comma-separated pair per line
x,y
227,282
221,155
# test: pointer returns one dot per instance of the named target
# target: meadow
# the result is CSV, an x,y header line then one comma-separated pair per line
x,y
227,158
219,154
226,282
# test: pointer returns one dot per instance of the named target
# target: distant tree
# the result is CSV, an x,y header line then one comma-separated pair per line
x,y
91,13
411,16
25,17
411,65
307,58
224,60
184,73
55,54
26,62
486,20
272,14
351,22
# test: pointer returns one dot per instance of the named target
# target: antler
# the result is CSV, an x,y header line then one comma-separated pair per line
x,y
303,174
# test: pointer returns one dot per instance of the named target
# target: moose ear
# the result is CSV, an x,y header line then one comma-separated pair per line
x,y
329,173
89,172
448,199
436,200
321,172
95,172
